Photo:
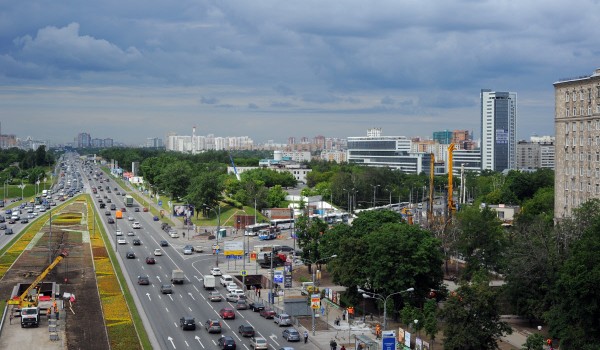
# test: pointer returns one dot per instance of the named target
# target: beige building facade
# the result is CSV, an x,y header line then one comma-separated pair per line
x,y
577,130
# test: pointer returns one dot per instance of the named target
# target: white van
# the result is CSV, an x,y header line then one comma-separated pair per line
x,y
225,280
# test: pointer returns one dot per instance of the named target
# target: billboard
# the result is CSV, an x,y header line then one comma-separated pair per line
x,y
183,210
233,248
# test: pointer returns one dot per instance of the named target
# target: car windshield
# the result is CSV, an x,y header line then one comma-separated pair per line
x,y
260,341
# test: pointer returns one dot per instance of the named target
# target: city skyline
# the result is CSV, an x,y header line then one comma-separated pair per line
x,y
271,70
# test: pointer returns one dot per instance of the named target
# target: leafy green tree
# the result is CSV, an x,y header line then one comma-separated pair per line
x,y
430,319
381,254
532,268
480,240
309,232
204,190
575,313
175,178
534,341
471,318
276,196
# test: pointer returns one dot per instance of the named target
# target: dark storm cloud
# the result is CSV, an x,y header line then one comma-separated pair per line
x,y
355,60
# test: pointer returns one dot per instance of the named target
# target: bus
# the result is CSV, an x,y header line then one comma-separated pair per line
x,y
282,223
252,230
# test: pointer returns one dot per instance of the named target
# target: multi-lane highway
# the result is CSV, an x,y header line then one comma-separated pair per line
x,y
187,300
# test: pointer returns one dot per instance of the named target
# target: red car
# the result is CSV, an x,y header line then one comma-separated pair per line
x,y
123,210
145,210
227,313
267,313
150,260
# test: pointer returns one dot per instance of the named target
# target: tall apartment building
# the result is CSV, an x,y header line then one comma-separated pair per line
x,y
444,137
84,140
577,132
193,144
538,153
154,142
498,130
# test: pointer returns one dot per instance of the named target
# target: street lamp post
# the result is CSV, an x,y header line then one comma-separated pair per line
x,y
374,193
314,284
218,227
372,295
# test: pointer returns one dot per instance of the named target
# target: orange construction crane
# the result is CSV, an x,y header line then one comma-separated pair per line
x,y
451,204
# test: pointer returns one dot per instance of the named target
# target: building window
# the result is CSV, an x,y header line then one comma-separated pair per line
x,y
589,110
574,96
589,94
581,95
574,126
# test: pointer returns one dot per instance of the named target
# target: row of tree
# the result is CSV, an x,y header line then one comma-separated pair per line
x,y
18,165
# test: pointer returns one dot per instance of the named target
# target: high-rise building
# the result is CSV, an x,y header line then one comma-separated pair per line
x,y
84,140
445,137
498,130
154,142
538,153
577,129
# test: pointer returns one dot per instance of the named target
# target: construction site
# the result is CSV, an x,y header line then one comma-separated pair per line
x,y
50,289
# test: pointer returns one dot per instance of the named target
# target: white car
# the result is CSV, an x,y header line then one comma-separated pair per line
x,y
119,233
258,343
215,271
237,292
174,235
136,225
231,287
122,241
130,233
130,218
157,252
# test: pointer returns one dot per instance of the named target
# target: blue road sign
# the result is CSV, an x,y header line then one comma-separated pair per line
x,y
388,343
160,203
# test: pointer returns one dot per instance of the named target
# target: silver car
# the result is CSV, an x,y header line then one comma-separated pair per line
x,y
282,319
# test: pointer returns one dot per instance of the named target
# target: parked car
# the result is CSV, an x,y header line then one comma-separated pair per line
x,y
226,343
166,289
187,323
227,313
291,334
256,306
213,326
246,330
144,280
282,319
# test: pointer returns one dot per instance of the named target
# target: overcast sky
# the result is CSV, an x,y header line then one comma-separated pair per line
x,y
273,69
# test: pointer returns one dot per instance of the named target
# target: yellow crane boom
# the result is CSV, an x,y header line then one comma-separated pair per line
x,y
451,205
22,300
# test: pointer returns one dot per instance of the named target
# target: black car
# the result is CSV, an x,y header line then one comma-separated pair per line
x,y
102,205
107,213
187,323
246,330
164,243
145,280
136,209
111,220
136,241
226,342
130,255
256,306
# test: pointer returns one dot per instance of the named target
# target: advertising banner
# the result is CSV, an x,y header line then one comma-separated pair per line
x,y
235,248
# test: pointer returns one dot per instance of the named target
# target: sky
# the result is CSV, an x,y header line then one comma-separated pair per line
x,y
269,70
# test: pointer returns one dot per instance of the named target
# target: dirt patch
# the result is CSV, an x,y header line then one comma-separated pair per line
x,y
84,323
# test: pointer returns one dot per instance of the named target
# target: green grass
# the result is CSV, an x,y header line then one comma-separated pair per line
x,y
143,335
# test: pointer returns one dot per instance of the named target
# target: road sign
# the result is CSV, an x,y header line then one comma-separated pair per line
x,y
244,273
160,203
278,277
315,301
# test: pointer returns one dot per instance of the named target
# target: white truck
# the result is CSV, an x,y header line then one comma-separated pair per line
x,y
209,282
30,317
177,277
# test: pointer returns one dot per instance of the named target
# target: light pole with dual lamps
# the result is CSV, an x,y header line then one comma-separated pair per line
x,y
218,227
372,295
314,284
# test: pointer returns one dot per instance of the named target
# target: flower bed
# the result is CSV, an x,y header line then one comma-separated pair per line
x,y
122,333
